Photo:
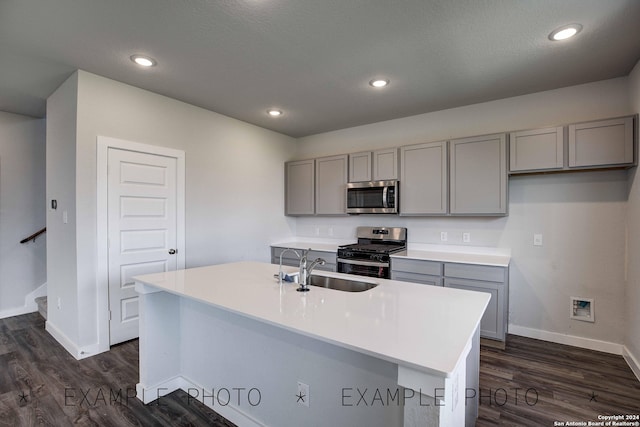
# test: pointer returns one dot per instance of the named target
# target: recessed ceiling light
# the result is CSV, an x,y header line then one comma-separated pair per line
x,y
565,32
274,112
143,61
379,82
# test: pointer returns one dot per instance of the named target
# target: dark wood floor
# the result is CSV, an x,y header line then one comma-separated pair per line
x,y
535,383
529,383
41,384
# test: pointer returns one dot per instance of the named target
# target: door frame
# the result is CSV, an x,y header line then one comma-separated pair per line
x,y
103,144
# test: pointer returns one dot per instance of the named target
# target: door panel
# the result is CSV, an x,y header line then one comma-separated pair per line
x,y
142,224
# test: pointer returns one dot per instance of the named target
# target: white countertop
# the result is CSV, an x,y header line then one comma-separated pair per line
x,y
498,257
323,245
422,327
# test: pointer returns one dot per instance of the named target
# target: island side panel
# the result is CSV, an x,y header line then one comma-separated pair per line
x,y
159,343
224,352
472,389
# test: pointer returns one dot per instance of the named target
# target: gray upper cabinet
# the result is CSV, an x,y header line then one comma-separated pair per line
x,y
479,175
331,182
385,164
601,143
380,165
360,167
536,150
423,179
299,187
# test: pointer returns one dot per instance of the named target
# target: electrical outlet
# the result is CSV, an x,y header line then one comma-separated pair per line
x,y
466,237
537,240
317,231
443,236
302,396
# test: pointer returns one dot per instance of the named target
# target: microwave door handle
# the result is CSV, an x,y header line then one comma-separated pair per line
x,y
384,197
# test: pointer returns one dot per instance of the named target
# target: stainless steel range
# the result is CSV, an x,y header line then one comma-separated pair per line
x,y
371,255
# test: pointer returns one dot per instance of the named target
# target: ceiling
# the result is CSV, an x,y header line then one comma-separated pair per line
x,y
313,59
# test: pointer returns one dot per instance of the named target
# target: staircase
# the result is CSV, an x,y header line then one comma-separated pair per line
x,y
42,306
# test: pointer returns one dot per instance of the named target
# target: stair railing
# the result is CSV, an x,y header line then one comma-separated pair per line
x,y
34,236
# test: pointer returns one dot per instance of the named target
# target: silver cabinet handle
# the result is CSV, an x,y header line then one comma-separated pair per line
x,y
172,251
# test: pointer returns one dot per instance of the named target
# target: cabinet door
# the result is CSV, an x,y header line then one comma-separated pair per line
x,y
331,183
479,175
492,324
536,150
385,164
423,179
360,167
601,143
299,188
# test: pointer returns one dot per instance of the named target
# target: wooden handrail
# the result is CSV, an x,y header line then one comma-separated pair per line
x,y
34,236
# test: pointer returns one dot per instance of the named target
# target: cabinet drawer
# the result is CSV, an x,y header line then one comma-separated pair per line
x,y
329,257
416,266
424,279
475,272
290,258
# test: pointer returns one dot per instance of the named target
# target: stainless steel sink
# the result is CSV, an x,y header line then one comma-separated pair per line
x,y
340,284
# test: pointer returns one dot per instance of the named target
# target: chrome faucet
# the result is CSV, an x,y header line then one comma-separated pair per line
x,y
305,271
282,253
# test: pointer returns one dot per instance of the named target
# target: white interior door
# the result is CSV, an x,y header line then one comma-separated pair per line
x,y
142,224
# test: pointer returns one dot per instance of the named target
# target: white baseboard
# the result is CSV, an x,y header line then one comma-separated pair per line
x,y
64,341
588,343
231,412
29,306
632,361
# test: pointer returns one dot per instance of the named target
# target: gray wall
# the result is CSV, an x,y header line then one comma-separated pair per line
x,y
61,186
632,294
22,209
582,216
234,175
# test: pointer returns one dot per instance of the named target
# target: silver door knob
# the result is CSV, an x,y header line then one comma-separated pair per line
x,y
172,251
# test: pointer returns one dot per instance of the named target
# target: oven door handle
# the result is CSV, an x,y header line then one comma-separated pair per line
x,y
367,263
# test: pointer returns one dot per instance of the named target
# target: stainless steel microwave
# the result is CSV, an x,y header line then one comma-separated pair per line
x,y
375,197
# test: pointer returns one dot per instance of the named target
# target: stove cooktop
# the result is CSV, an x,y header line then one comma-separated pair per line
x,y
378,248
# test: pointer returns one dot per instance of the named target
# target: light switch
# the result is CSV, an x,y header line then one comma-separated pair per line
x,y
537,240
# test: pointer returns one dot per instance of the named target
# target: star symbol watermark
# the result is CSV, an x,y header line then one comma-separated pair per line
x,y
23,397
300,397
593,397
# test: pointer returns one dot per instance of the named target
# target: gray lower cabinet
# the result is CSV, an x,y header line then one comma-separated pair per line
x,y
416,271
478,176
423,179
331,182
291,260
601,143
489,279
480,278
536,150
300,187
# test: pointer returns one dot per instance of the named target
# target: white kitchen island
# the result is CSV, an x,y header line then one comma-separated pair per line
x,y
400,354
